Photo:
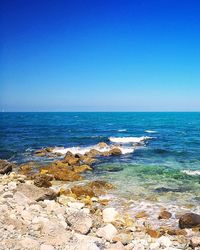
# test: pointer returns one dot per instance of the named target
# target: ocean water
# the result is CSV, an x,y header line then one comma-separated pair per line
x,y
161,151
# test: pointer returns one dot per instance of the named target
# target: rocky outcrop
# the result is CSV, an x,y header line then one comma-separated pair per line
x,y
189,220
6,167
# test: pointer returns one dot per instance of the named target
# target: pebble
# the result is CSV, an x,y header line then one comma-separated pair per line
x,y
108,232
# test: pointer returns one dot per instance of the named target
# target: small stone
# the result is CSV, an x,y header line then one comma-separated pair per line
x,y
164,241
124,238
116,246
153,233
141,214
109,214
108,232
76,205
165,215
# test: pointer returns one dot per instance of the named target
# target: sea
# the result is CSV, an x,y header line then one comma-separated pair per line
x,y
160,159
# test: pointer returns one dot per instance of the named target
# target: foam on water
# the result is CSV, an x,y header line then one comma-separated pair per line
x,y
150,131
83,150
191,172
122,130
129,139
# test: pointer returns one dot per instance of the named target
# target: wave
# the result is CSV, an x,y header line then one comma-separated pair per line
x,y
129,139
150,131
83,150
191,172
122,130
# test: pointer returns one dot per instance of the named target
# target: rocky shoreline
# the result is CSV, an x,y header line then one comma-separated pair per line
x,y
42,209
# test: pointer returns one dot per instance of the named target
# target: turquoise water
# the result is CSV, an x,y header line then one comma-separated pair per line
x,y
153,169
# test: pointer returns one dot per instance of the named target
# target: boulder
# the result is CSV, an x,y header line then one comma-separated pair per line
x,y
165,215
108,232
81,168
189,220
43,180
87,160
109,214
115,151
71,159
35,193
82,191
102,145
93,153
79,221
6,167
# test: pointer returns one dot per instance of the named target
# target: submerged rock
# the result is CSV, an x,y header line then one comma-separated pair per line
x,y
189,220
35,193
6,167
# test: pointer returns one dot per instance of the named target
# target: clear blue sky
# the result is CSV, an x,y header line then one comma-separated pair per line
x,y
100,55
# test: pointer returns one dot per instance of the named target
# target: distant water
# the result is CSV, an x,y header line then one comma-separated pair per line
x,y
167,166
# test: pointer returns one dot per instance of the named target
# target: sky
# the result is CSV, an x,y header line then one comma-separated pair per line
x,y
100,55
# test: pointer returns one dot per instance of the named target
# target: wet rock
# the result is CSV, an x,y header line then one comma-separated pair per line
x,y
109,214
43,180
6,167
124,238
25,169
189,220
108,232
195,242
153,233
115,151
81,168
165,215
93,153
87,160
71,159
82,191
167,190
43,152
61,172
79,221
102,145
34,193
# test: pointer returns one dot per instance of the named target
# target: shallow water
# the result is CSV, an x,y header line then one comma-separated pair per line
x,y
153,171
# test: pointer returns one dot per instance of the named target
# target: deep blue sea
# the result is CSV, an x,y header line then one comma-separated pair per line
x,y
167,164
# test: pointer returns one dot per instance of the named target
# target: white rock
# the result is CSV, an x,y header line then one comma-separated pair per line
x,y
164,241
29,243
46,247
107,232
195,241
12,185
76,205
154,246
116,246
7,195
109,214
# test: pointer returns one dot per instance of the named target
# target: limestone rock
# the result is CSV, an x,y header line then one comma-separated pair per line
x,y
79,221
107,232
124,238
195,241
109,214
46,247
189,220
116,246
34,193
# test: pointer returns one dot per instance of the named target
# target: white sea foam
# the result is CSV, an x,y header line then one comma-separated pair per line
x,y
83,150
129,139
191,172
122,130
150,131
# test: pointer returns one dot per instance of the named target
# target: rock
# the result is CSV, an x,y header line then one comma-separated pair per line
x,y
79,221
102,145
76,205
82,190
195,241
124,238
6,167
34,193
153,233
107,232
81,168
93,153
25,169
7,195
189,220
109,214
164,241
46,247
71,159
116,246
87,160
43,180
115,151
61,172
164,215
